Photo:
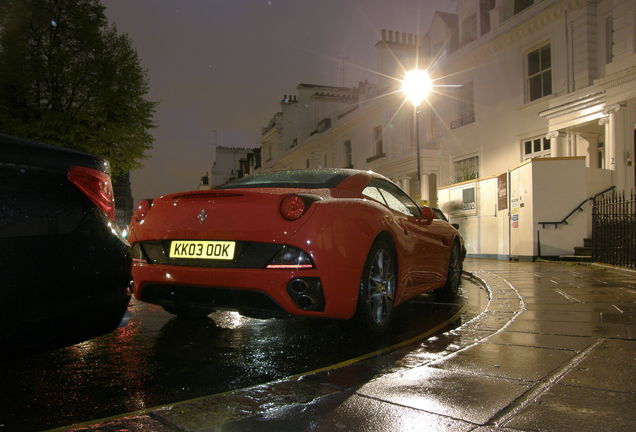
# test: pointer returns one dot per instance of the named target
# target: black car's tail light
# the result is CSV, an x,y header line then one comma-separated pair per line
x,y
142,210
96,186
291,258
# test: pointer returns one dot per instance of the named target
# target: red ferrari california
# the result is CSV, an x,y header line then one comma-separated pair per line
x,y
329,243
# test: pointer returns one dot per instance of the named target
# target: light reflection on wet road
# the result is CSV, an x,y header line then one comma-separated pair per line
x,y
158,359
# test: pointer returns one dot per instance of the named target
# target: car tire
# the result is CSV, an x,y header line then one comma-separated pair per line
x,y
454,276
377,289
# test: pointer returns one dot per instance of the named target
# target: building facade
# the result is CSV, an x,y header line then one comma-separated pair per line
x,y
532,112
231,163
545,113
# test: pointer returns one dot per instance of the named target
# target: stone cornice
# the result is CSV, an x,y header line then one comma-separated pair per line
x,y
617,79
574,105
510,33
613,109
269,133
555,134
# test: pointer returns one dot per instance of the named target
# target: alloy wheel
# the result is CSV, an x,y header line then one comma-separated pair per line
x,y
380,287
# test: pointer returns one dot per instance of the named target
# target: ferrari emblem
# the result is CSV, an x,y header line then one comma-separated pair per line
x,y
203,215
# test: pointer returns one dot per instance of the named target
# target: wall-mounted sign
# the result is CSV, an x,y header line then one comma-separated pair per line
x,y
463,200
514,212
468,199
502,192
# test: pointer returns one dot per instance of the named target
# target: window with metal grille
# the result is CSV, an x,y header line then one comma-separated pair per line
x,y
466,169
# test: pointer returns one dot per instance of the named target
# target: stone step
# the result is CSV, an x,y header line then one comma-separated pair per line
x,y
576,258
582,251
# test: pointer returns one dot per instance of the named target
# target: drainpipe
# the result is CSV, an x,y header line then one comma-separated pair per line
x,y
509,186
568,53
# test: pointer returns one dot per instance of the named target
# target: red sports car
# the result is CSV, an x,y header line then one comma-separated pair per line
x,y
329,243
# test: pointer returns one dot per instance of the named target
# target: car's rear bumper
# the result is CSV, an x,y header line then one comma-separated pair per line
x,y
68,287
269,292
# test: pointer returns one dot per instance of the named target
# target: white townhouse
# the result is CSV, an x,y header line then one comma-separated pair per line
x,y
533,111
368,126
230,163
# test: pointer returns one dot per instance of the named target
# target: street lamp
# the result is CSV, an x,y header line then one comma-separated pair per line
x,y
416,86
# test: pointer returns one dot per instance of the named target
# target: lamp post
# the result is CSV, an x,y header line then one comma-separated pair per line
x,y
416,86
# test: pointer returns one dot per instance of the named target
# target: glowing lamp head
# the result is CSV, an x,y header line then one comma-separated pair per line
x,y
417,85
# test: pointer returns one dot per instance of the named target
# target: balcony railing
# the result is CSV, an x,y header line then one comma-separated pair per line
x,y
463,121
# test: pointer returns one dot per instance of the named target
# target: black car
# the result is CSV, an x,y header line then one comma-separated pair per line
x,y
65,267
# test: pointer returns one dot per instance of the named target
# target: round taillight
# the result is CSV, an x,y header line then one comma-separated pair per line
x,y
292,207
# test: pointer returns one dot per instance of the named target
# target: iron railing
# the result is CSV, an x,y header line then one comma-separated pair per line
x,y
463,121
614,229
564,221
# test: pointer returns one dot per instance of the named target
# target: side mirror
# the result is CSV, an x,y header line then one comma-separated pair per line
x,y
455,225
427,215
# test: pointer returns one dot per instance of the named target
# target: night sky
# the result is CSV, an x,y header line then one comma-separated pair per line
x,y
219,67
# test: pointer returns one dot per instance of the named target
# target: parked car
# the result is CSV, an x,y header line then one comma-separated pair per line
x,y
66,269
329,243
439,214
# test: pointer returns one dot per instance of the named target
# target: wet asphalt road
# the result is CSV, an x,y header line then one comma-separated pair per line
x,y
158,359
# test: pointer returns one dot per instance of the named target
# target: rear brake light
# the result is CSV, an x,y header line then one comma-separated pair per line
x,y
142,210
291,258
96,186
293,207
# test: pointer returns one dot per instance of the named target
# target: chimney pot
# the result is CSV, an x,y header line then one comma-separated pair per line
x,y
383,34
390,35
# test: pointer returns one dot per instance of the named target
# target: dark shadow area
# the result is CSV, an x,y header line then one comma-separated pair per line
x,y
159,358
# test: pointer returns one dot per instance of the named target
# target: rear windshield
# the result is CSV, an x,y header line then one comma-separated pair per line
x,y
304,179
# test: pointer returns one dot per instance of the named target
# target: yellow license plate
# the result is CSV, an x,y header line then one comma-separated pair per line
x,y
217,250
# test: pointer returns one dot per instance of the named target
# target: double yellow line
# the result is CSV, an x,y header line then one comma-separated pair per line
x,y
385,350
358,359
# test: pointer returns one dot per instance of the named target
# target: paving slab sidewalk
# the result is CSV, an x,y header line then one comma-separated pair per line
x,y
554,349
